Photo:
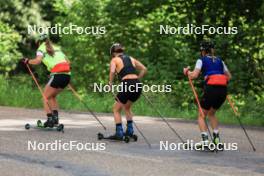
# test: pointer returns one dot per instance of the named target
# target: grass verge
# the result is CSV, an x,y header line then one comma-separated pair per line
x,y
12,93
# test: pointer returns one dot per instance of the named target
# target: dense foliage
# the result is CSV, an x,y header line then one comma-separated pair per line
x,y
136,24
9,53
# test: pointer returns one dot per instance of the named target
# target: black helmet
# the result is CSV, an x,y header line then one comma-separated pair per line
x,y
206,46
116,47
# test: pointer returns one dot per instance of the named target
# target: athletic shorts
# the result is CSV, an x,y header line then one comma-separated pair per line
x,y
213,97
129,92
59,81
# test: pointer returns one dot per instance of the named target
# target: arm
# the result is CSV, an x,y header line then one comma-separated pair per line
x,y
35,61
141,68
227,73
68,61
112,71
195,73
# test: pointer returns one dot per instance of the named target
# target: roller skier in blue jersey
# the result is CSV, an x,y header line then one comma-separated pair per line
x,y
216,76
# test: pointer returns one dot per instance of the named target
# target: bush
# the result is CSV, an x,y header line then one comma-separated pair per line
x,y
9,54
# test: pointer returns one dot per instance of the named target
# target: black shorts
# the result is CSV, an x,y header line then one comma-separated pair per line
x,y
59,81
130,92
213,97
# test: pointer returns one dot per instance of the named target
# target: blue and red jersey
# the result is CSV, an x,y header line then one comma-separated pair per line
x,y
213,70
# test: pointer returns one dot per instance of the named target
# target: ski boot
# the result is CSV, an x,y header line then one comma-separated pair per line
x,y
216,141
130,131
203,145
55,120
49,123
118,136
55,117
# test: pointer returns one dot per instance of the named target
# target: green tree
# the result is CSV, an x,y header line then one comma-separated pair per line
x,y
9,53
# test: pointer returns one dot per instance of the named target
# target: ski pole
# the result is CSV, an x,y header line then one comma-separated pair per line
x,y
164,119
40,89
141,133
199,106
240,123
86,106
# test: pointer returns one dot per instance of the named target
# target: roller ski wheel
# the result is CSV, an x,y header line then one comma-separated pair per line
x,y
60,127
100,136
126,139
39,123
27,126
133,136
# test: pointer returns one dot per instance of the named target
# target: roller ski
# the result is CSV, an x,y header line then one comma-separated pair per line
x,y
114,137
50,124
130,131
118,136
204,145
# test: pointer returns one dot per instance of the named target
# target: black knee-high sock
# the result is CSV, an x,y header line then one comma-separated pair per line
x,y
129,122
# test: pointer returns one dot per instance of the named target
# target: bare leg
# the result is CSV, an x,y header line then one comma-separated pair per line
x,y
201,121
129,117
213,119
129,114
117,112
118,120
53,101
49,92
214,125
203,126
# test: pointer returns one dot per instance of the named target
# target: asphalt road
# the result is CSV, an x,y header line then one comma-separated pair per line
x,y
119,158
